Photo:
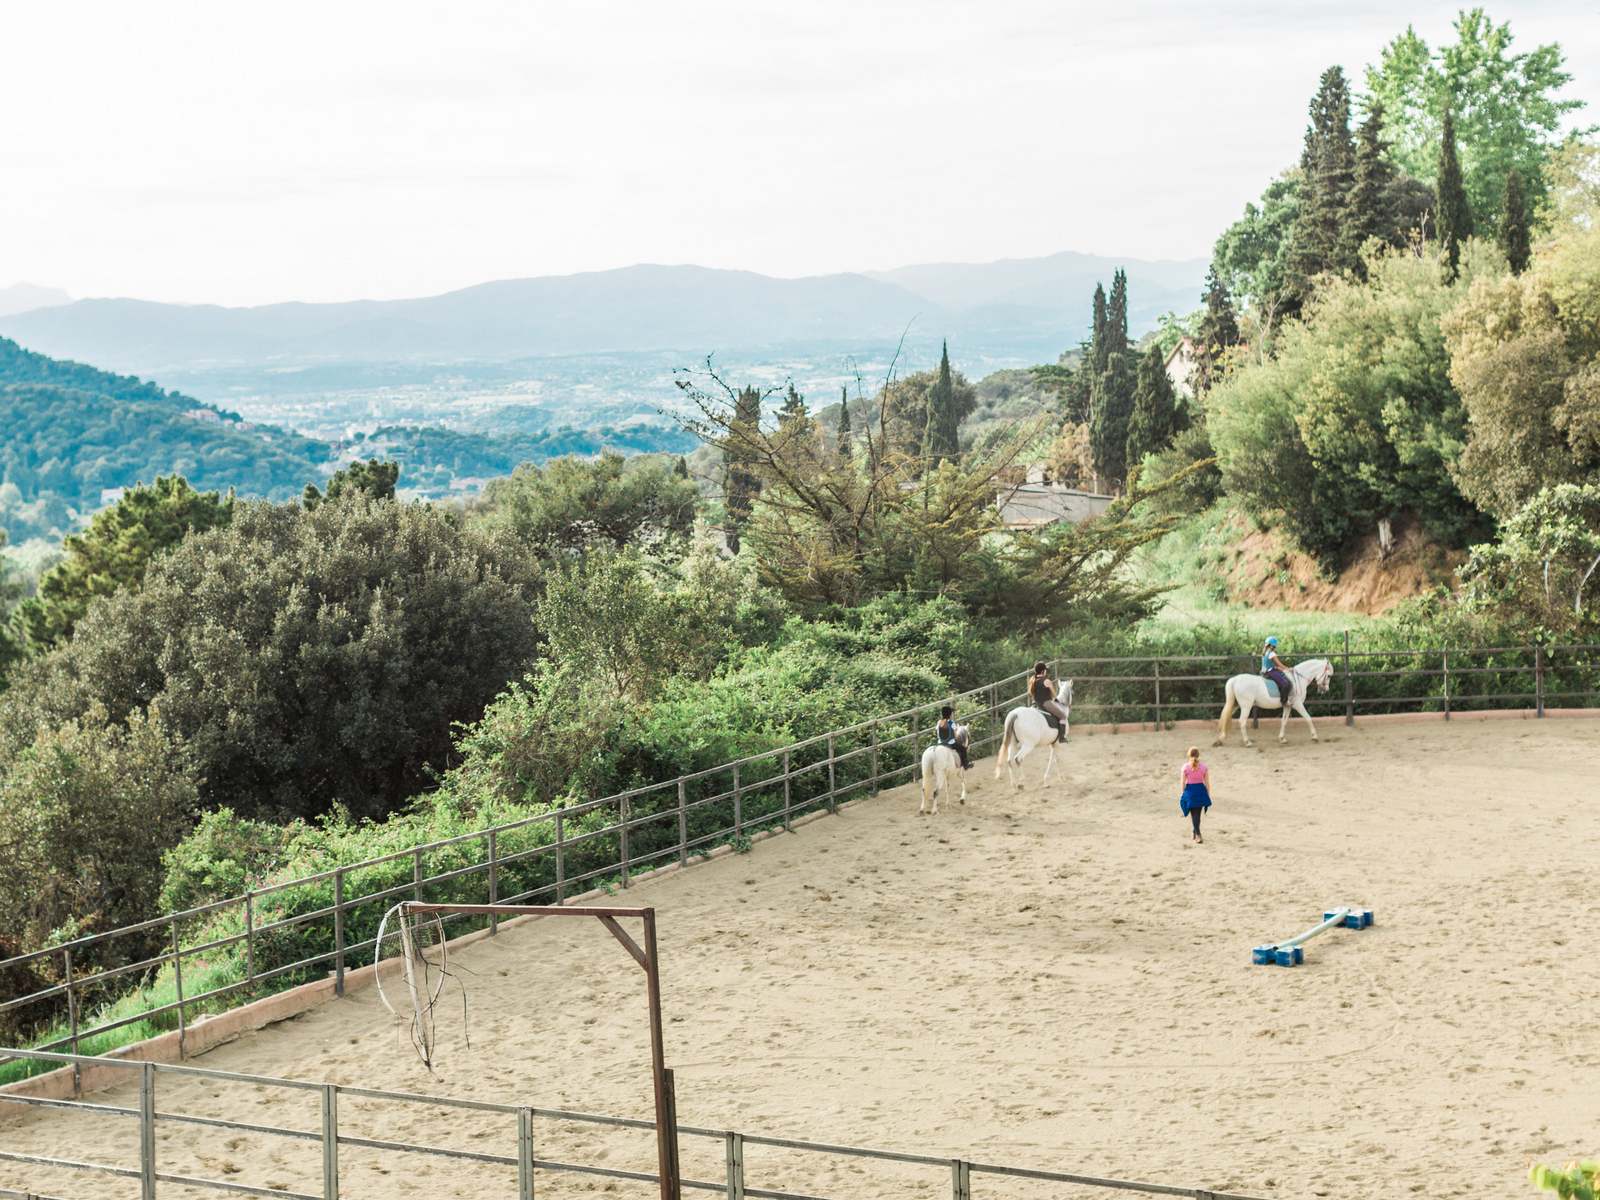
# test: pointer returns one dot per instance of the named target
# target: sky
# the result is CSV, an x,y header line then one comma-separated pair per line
x,y
245,152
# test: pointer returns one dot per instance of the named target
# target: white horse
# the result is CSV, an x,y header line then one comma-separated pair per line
x,y
1027,728
939,764
1250,692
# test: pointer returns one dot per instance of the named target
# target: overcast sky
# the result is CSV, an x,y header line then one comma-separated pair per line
x,y
248,152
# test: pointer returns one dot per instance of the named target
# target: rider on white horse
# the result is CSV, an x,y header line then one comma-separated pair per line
x,y
1275,669
950,734
1043,694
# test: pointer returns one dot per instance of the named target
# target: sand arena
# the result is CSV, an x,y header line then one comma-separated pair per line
x,y
1057,980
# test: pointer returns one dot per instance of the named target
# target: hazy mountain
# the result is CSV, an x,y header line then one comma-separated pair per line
x,y
1023,308
21,297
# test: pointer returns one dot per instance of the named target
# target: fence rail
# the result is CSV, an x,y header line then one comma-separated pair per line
x,y
519,1137
76,995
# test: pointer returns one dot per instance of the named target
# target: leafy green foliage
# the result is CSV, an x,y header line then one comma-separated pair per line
x,y
943,439
1251,256
373,479
1579,1181
114,552
307,658
571,504
1514,226
1154,420
1536,576
1505,107
1110,410
1452,211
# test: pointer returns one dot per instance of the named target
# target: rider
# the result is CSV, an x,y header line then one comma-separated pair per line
x,y
949,734
1043,694
1274,668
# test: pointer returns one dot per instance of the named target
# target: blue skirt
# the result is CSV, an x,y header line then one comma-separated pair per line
x,y
1195,795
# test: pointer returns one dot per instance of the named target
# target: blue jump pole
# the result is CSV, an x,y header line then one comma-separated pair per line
x,y
1291,951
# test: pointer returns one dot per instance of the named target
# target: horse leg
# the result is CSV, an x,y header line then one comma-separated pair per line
x,y
962,775
1246,707
1283,723
1049,762
1301,708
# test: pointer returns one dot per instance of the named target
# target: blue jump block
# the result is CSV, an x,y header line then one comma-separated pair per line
x,y
1262,955
1291,956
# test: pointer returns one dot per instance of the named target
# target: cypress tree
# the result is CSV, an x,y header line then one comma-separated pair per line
x,y
681,467
740,484
1452,212
1110,408
1117,315
943,438
1097,339
1514,225
844,422
1218,330
1153,418
792,409
1327,164
1367,214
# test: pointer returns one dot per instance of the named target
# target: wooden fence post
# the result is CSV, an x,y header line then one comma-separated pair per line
x,y
683,825
338,931
623,812
733,1155
330,1141
1158,695
1538,680
494,881
1349,685
416,874
561,858
250,936
177,979
1444,662
147,1132
833,785
525,1154
960,1180
72,1022
788,825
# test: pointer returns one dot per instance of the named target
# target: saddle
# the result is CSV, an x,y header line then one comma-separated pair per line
x,y
1273,689
1055,723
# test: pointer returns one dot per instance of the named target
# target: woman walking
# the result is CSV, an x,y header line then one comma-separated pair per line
x,y
1196,797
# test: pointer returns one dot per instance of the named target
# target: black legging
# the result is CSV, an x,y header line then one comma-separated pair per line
x,y
1194,818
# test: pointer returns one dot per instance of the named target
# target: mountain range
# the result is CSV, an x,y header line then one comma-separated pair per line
x,y
1023,309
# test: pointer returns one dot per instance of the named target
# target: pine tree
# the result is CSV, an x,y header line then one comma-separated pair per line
x,y
1117,315
1218,330
1097,339
1110,408
1367,214
793,407
740,484
844,422
681,468
1514,225
1452,213
1327,164
943,439
1153,420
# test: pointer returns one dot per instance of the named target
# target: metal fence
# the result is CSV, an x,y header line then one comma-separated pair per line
x,y
519,1136
159,974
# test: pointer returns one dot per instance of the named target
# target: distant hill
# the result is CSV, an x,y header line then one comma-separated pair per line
x,y
21,297
1034,307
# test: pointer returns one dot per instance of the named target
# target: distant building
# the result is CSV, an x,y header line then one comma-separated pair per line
x,y
204,414
1181,365
1035,505
110,495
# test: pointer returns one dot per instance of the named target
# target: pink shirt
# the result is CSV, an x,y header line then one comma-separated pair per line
x,y
1196,773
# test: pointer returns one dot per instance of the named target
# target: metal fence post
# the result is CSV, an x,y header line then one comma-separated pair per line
x,y
250,936
338,931
330,1141
561,857
960,1180
833,786
788,825
683,826
1349,685
623,808
177,979
147,1132
72,1023
733,1149
1158,695
1538,680
416,874
1444,660
738,805
525,1154
494,882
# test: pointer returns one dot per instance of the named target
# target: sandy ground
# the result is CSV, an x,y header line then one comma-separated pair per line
x,y
1056,979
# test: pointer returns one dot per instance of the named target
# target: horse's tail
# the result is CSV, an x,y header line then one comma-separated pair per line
x,y
1005,742
1227,712
927,782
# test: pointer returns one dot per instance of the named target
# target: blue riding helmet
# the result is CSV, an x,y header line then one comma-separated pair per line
x,y
1272,641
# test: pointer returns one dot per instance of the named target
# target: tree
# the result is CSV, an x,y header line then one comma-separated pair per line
x,y
1540,574
844,422
1368,214
1154,417
115,550
1099,345
306,658
1116,332
906,407
793,407
1454,214
1505,107
1111,408
10,638
1327,169
373,479
570,504
741,485
1514,225
1251,256
1217,333
943,439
